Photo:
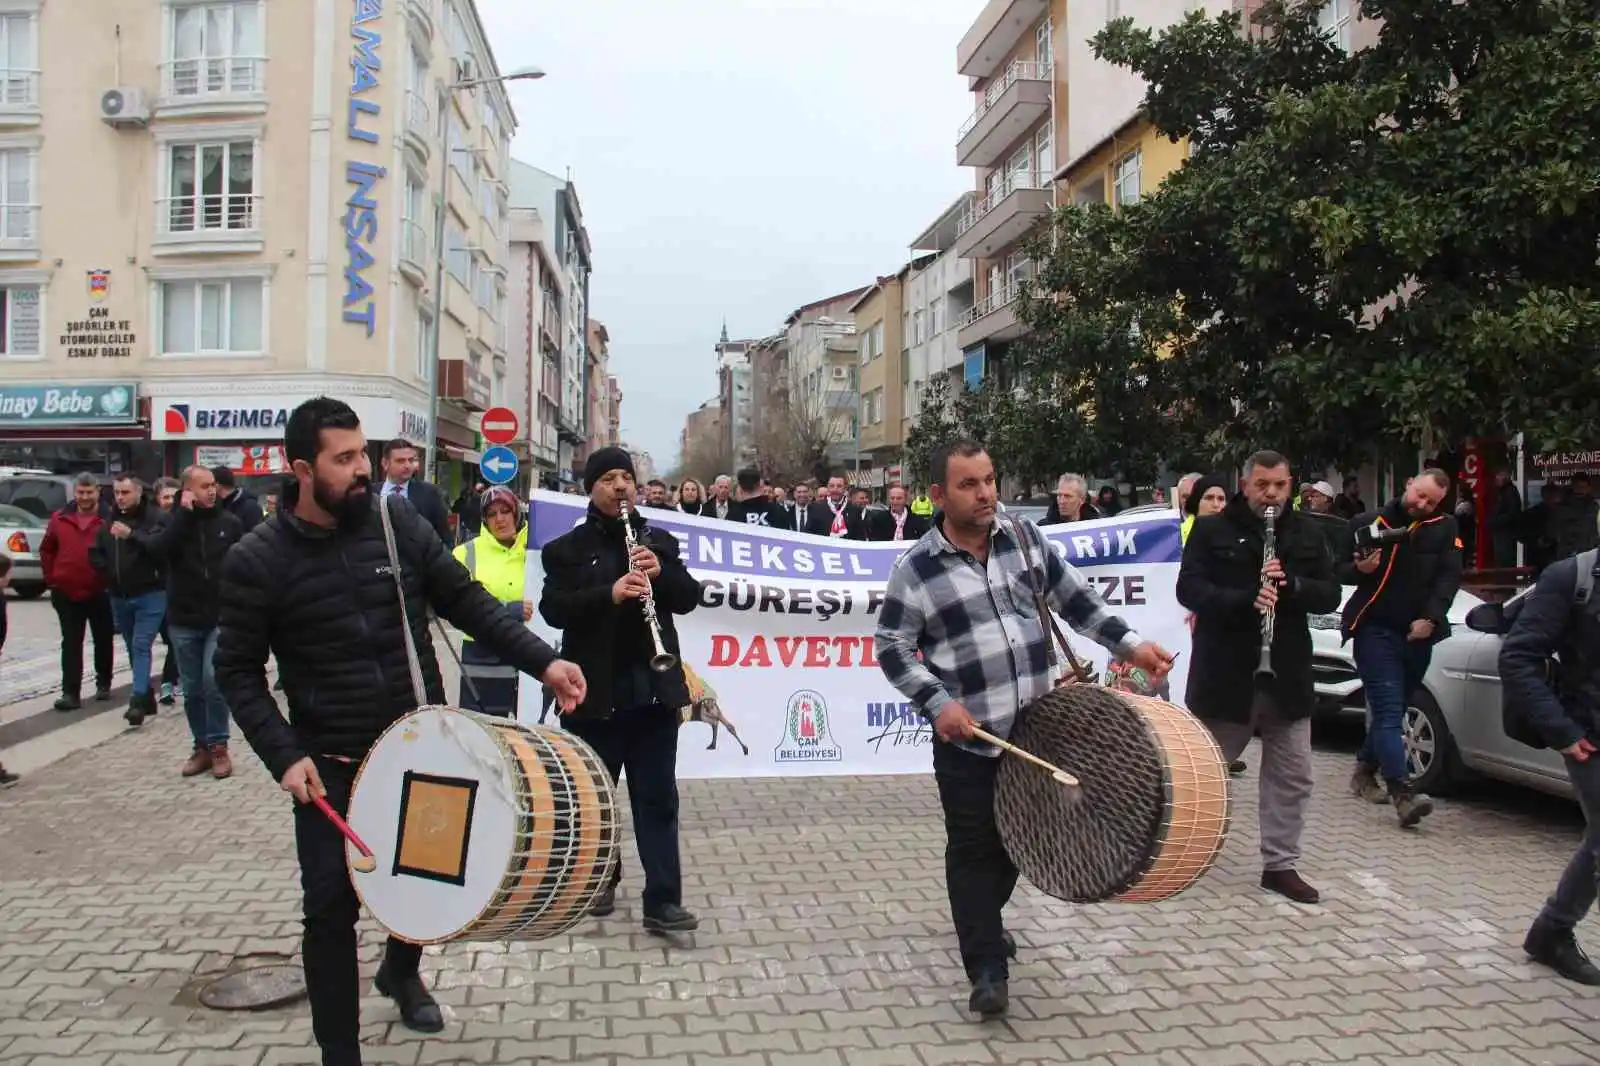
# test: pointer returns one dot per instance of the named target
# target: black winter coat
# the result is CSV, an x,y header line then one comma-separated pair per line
x,y
819,521
136,564
604,637
1548,625
323,601
1417,577
195,543
1219,580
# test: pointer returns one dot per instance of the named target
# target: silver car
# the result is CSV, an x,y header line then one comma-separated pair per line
x,y
21,536
1453,723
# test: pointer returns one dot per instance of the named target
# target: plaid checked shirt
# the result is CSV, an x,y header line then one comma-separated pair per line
x,y
982,641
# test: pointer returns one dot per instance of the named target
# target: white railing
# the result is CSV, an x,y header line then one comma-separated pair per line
x,y
19,225
419,114
210,213
213,76
1023,179
993,302
1019,70
416,246
19,88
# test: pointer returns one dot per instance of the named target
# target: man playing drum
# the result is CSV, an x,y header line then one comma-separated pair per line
x,y
962,597
313,586
1228,581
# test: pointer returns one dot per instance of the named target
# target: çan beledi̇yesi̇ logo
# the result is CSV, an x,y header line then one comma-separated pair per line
x,y
807,735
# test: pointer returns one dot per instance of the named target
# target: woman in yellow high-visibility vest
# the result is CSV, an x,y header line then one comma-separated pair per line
x,y
497,559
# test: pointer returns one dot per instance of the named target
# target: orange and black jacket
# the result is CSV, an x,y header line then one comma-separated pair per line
x,y
1416,577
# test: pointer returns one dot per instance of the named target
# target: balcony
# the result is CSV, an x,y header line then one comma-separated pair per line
x,y
1001,26
419,131
213,85
835,400
208,223
1005,216
19,97
463,381
419,23
416,253
1011,106
994,318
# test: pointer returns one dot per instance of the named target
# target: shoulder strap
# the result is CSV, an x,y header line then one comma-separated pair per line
x,y
385,511
1080,672
1583,583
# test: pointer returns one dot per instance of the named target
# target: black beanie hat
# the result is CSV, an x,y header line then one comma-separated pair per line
x,y
603,462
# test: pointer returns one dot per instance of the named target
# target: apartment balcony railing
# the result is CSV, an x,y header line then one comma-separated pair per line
x,y
1011,106
1001,297
841,400
1003,217
183,79
993,318
416,251
419,115
210,212
19,88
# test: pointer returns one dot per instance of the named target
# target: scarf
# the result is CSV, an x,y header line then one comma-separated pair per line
x,y
837,529
900,525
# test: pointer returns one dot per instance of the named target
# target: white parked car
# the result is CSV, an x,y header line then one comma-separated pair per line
x,y
21,534
1453,723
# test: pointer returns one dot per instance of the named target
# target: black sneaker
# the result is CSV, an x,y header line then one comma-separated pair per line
x,y
102,694
1559,950
1011,944
670,918
7,778
990,997
167,697
418,1009
68,703
139,708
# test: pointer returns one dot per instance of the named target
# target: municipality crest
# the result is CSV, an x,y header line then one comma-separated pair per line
x,y
807,731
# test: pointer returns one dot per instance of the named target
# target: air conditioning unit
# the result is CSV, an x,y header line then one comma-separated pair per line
x,y
840,373
124,106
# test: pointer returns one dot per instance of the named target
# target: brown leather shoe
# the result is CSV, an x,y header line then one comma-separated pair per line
x,y
1291,884
221,763
199,762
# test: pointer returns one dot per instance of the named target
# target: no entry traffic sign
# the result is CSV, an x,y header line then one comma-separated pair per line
x,y
499,425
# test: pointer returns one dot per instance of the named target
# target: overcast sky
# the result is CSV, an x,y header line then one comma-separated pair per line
x,y
734,158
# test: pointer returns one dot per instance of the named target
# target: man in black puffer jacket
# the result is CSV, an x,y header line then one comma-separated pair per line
x,y
313,586
1398,612
129,553
199,536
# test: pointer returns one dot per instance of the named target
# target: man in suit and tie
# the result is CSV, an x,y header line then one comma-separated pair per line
x,y
897,523
400,466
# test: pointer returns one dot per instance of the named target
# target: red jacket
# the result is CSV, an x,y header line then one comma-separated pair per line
x,y
64,555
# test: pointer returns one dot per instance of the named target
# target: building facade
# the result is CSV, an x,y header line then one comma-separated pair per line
x,y
267,235
565,306
881,320
534,297
939,296
735,397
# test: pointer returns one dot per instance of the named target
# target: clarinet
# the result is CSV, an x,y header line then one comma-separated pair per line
x,y
663,660
1264,671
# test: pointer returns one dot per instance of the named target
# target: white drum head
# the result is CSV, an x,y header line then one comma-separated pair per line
x,y
434,801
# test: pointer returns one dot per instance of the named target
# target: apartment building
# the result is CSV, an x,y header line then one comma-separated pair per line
x,y
881,320
534,296
212,215
565,302
823,387
938,299
703,424
736,398
603,399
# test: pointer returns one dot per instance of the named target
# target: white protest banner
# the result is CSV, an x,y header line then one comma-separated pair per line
x,y
784,634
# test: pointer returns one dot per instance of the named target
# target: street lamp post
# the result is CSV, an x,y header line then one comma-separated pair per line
x,y
440,206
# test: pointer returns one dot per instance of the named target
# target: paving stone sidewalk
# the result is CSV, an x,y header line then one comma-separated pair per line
x,y
825,940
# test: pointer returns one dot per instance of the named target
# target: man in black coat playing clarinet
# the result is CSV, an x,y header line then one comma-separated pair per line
x,y
1224,581
630,715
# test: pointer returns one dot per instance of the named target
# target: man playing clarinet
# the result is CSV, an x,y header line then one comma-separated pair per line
x,y
1229,583
960,596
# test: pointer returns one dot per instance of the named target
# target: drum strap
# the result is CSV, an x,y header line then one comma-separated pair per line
x,y
1079,671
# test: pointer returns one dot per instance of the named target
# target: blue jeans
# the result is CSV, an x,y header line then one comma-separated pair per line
x,y
138,619
208,714
1391,669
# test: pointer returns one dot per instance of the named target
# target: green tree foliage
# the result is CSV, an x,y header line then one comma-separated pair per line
x,y
1396,245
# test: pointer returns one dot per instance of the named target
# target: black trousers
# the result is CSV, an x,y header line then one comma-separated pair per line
x,y
330,910
76,616
979,875
643,743
170,675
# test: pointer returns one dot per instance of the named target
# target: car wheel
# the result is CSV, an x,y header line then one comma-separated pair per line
x,y
28,592
1431,756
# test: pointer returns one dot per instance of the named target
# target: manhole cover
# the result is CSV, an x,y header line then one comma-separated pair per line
x,y
257,988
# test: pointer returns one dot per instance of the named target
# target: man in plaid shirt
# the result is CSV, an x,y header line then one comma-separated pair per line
x,y
962,596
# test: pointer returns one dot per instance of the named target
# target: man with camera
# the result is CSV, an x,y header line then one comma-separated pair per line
x,y
1405,562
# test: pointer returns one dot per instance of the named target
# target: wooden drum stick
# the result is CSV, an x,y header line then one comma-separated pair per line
x,y
1061,776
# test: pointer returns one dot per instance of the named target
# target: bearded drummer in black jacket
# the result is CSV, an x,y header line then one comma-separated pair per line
x,y
313,586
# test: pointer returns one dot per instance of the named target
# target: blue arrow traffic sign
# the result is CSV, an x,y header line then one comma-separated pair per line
x,y
499,465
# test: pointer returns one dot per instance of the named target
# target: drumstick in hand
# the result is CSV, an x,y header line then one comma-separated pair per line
x,y
1061,776
364,863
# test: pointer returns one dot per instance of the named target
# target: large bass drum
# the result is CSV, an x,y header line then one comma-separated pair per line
x,y
483,828
1152,813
